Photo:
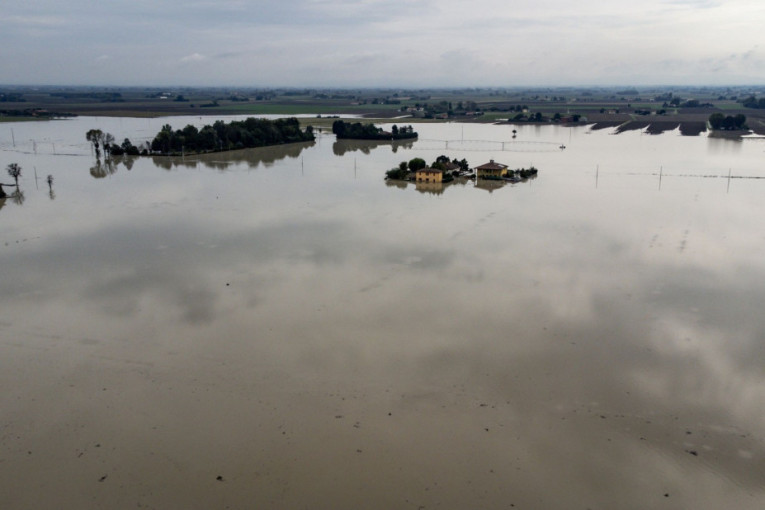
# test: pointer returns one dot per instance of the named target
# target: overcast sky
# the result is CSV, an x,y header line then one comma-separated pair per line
x,y
360,43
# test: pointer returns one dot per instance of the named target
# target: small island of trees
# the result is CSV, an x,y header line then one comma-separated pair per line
x,y
449,169
246,134
219,136
720,122
359,131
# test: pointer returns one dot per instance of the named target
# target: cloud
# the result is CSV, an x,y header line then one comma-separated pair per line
x,y
377,42
194,57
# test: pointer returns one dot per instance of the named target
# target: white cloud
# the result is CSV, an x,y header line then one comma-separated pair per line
x,y
194,57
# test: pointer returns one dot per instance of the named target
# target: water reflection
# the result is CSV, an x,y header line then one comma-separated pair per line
x,y
17,197
721,144
489,185
569,347
253,158
104,168
341,147
396,183
432,188
266,156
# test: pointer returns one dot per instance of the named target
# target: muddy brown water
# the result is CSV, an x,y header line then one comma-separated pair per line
x,y
278,328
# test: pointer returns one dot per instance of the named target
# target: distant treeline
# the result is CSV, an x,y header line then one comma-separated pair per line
x,y
11,97
222,136
753,102
106,97
34,112
359,131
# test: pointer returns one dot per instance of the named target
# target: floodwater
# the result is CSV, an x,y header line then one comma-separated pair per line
x,y
281,328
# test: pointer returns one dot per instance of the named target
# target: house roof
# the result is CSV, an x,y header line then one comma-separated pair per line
x,y
449,166
429,170
491,165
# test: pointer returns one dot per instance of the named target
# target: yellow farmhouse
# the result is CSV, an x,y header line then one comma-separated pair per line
x,y
491,169
428,174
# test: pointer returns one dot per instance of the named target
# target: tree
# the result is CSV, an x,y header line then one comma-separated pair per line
x,y
14,170
716,120
338,128
129,148
397,173
108,140
95,136
416,164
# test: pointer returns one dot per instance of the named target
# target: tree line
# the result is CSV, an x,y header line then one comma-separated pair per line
x,y
753,102
359,131
221,136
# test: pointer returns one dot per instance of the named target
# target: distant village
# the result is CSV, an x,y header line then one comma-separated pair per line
x,y
490,175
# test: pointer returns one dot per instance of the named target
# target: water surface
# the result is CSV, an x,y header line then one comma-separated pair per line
x,y
281,328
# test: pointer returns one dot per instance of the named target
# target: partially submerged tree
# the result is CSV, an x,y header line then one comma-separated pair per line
x,y
96,137
108,141
14,170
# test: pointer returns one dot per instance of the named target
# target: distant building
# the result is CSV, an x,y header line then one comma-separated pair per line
x,y
491,169
428,174
450,166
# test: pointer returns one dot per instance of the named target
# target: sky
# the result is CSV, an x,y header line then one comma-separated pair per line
x,y
382,43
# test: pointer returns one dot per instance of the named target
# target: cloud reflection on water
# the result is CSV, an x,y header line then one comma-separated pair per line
x,y
547,345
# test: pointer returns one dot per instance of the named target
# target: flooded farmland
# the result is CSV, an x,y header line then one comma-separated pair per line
x,y
282,328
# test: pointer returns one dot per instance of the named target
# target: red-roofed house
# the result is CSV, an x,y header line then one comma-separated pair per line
x,y
491,169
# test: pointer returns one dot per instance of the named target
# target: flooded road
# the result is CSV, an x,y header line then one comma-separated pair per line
x,y
281,328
